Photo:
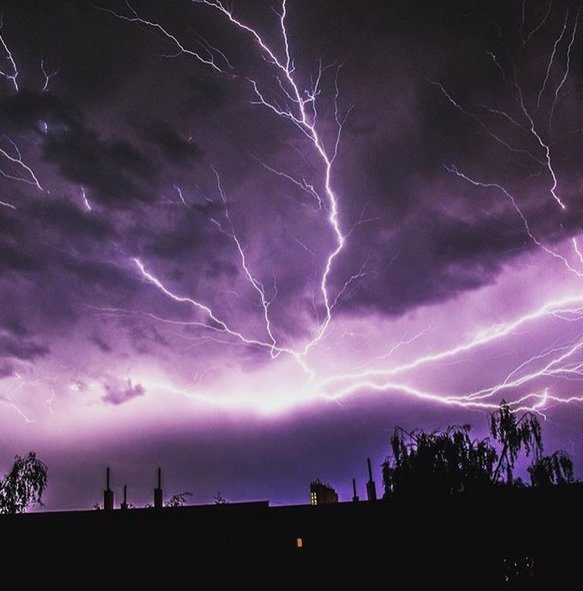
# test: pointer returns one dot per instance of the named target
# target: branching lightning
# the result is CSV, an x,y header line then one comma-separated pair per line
x,y
299,107
47,75
15,158
292,102
11,74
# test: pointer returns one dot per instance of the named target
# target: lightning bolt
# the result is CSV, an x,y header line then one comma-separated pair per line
x,y
537,28
305,119
47,75
12,74
551,60
298,106
255,283
219,324
481,338
85,199
543,145
567,69
452,169
16,159
180,195
302,183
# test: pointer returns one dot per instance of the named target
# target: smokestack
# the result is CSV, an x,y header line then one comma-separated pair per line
x,y
355,498
158,493
371,487
107,494
124,505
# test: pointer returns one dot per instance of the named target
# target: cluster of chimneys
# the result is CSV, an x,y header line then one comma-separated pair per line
x,y
371,487
108,500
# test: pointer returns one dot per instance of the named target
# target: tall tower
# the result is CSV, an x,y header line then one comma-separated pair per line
x,y
371,487
124,505
355,498
107,494
158,493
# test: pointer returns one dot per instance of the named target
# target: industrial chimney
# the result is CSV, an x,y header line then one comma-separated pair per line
x,y
124,505
158,493
355,498
371,487
107,494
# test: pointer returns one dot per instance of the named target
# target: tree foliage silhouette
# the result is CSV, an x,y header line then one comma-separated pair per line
x,y
551,470
219,499
451,461
445,462
23,485
178,500
514,435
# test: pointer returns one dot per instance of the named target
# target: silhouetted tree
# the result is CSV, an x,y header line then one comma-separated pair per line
x,y
444,462
451,461
514,435
178,500
220,500
23,485
551,470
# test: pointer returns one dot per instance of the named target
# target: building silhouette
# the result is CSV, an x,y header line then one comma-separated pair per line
x,y
158,492
503,536
355,497
371,487
108,499
322,493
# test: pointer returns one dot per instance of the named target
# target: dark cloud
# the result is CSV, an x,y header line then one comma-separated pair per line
x,y
12,258
114,169
173,147
23,349
6,369
24,112
433,257
13,325
217,268
104,276
100,343
120,393
206,95
73,222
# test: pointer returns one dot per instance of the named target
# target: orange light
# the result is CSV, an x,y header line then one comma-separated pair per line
x,y
299,543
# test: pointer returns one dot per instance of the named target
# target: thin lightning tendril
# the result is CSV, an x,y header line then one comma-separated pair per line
x,y
47,75
16,159
12,76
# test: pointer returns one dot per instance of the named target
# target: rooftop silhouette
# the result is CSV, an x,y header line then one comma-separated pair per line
x,y
421,539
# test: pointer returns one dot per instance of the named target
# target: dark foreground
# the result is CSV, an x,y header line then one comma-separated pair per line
x,y
501,539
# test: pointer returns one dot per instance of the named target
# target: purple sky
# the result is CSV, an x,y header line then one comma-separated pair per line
x,y
184,285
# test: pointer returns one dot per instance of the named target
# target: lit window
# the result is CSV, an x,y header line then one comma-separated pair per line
x,y
299,543
314,498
